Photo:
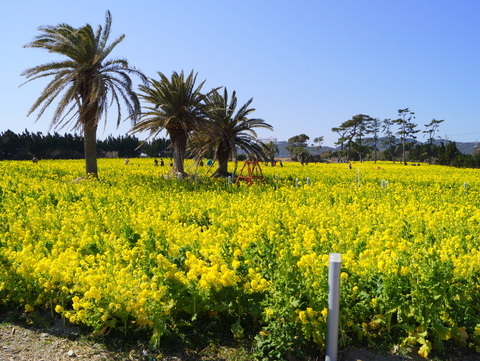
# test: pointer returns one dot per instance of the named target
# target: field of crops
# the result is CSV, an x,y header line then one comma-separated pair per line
x,y
135,249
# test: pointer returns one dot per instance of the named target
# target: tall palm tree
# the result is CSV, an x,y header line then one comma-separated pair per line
x,y
232,131
88,82
176,106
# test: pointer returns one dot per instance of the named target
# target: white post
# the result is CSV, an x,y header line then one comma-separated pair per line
x,y
384,183
334,270
308,181
296,182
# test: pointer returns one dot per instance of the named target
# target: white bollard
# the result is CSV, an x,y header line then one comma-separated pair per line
x,y
334,271
308,181
296,182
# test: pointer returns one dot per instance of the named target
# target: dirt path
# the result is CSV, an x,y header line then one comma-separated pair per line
x,y
60,343
18,343
22,344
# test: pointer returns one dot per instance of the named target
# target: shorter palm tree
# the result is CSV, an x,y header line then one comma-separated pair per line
x,y
177,106
229,131
270,149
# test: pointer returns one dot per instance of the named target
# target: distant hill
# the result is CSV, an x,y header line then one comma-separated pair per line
x,y
464,147
284,153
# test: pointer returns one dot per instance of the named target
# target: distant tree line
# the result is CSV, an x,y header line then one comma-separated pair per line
x,y
366,138
444,154
27,145
415,152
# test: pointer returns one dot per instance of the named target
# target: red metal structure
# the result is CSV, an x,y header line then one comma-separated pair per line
x,y
254,173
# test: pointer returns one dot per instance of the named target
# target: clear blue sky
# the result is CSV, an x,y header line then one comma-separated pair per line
x,y
309,65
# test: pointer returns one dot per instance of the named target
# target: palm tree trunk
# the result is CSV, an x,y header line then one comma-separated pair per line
x,y
90,149
223,153
178,138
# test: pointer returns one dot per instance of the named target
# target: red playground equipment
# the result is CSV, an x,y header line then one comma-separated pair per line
x,y
254,173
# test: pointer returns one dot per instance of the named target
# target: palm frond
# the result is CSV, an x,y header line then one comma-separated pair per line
x,y
85,81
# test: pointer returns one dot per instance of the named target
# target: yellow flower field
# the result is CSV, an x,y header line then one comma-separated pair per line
x,y
136,249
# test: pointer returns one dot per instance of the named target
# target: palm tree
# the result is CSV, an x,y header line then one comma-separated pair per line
x,y
88,82
231,130
175,106
270,149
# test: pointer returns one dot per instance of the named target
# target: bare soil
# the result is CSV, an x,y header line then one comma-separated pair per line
x,y
36,340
